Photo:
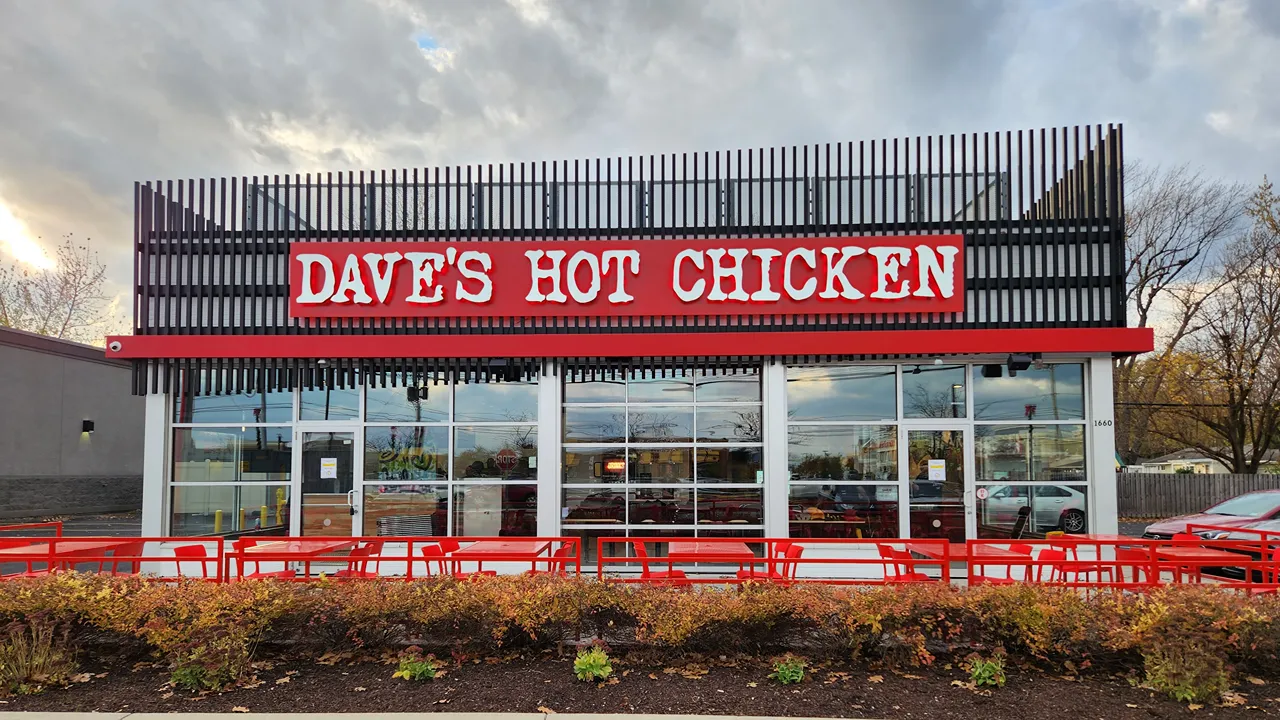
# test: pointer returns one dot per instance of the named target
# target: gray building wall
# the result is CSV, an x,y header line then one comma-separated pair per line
x,y
48,466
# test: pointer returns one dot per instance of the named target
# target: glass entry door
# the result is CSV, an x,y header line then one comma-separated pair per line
x,y
938,495
329,462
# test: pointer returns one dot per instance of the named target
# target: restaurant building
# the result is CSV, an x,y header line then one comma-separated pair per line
x,y
895,338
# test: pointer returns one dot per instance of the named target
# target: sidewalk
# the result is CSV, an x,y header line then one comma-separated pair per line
x,y
365,716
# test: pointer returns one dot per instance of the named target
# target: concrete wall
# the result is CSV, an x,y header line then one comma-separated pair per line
x,y
47,465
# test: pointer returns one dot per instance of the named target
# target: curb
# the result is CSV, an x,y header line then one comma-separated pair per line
x,y
369,716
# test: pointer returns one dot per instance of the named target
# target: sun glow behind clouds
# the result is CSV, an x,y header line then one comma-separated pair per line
x,y
17,240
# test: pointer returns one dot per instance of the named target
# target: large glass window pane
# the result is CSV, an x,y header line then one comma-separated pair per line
x,y
936,473
673,465
229,510
496,402
268,407
659,506
232,454
1002,509
1018,453
1055,392
594,506
743,387
730,465
842,452
595,391
843,511
737,506
593,424
412,400
495,452
399,510
736,424
414,454
592,466
658,424
329,403
845,392
648,386
495,510
933,391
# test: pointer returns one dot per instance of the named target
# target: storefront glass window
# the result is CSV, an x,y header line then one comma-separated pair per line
x,y
228,510
842,393
232,454
418,400
1030,511
595,424
843,511
491,510
1055,392
933,391
842,452
660,424
1021,453
411,454
262,407
410,509
499,402
733,424
329,403
495,452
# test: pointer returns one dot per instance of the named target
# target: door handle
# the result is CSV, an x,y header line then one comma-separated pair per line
x,y
351,501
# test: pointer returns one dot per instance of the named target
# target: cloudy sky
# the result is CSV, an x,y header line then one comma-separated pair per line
x,y
100,93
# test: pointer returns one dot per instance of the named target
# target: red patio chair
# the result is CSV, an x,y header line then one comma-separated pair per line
x,y
1188,570
662,577
787,575
434,553
357,564
899,566
557,565
1051,559
132,564
242,544
1069,549
30,571
1137,562
193,553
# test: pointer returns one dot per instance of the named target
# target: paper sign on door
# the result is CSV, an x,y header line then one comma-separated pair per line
x,y
328,468
938,470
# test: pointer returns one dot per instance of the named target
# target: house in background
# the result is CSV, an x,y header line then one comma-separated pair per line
x,y
1187,460
70,429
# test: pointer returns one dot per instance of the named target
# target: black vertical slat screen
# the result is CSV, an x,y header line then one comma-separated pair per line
x,y
1041,212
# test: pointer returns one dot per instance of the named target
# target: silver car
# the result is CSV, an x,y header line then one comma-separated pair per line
x,y
1053,507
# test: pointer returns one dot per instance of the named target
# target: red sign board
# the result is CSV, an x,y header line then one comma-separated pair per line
x,y
506,459
595,278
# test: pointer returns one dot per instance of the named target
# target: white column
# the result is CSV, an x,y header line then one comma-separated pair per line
x,y
155,454
1100,448
549,455
774,426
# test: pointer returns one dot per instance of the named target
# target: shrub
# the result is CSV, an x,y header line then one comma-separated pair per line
x,y
788,670
413,666
592,665
987,671
34,654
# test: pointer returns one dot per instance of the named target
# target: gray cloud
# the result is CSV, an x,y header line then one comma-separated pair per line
x,y
101,93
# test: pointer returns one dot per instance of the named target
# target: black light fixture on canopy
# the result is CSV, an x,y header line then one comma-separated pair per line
x,y
86,426
1018,363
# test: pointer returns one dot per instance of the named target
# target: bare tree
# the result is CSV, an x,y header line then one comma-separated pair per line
x,y
66,301
1177,223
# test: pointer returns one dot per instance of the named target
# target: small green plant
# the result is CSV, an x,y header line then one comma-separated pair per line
x,y
414,666
33,655
592,665
788,670
987,672
188,677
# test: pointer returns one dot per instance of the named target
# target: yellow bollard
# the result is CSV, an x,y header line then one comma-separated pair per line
x,y
262,516
241,526
217,522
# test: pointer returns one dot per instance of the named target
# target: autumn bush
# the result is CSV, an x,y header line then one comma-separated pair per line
x,y
1188,641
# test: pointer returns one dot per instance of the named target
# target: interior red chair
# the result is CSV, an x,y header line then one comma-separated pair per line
x,y
558,564
242,563
193,553
899,566
434,553
663,577
786,575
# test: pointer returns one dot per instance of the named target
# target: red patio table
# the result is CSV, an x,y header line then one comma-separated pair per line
x,y
1200,554
933,551
982,555
304,550
511,549
695,551
65,551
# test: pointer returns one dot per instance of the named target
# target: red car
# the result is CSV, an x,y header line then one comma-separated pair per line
x,y
1240,511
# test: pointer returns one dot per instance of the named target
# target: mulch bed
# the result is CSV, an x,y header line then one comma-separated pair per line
x,y
716,686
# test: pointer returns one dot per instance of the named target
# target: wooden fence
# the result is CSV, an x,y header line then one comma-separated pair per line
x,y
1151,495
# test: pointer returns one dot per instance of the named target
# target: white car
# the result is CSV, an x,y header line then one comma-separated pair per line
x,y
1053,507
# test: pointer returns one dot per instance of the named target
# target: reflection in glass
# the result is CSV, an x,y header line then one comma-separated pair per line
x,y
1017,453
653,386
936,475
933,391
1046,508
400,510
592,466
842,392
495,510
592,424
229,510
595,391
495,452
843,511
328,475
594,506
411,400
729,465
731,506
496,402
1055,392
857,452
660,424
721,424
414,454
269,407
329,403
659,506
742,387
661,465
232,454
